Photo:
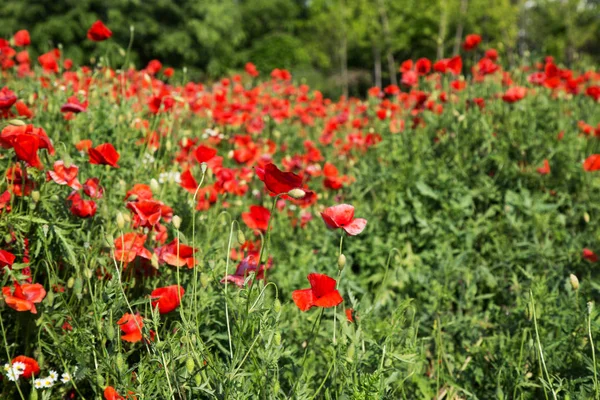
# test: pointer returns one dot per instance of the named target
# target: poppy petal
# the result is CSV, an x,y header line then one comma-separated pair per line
x,y
303,298
356,227
331,299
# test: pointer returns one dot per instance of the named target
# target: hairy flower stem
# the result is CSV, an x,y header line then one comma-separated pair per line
x,y
339,276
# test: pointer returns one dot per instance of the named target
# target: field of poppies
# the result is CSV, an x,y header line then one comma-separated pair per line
x,y
249,238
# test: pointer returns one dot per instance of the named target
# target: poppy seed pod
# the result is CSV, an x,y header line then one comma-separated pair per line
x,y
297,193
586,218
35,196
574,282
341,262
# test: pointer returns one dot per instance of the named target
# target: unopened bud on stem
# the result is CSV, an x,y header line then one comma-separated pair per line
x,y
176,221
574,282
297,193
120,220
341,262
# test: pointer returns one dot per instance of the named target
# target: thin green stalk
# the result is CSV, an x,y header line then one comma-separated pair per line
x,y
590,308
317,324
537,337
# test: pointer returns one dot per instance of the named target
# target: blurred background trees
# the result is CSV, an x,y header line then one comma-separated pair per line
x,y
343,46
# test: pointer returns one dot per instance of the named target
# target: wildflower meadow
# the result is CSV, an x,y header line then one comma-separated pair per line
x,y
250,238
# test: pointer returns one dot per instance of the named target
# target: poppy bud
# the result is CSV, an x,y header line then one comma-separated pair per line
x,y
154,261
121,366
122,52
275,387
204,281
16,122
49,300
176,221
184,142
120,220
35,196
154,186
87,273
203,166
590,307
168,145
71,282
241,238
574,282
277,339
586,217
110,332
297,194
277,306
100,380
33,395
264,258
78,286
350,353
341,262
198,379
189,365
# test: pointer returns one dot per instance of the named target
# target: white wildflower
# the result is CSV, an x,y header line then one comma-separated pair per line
x,y
65,378
52,374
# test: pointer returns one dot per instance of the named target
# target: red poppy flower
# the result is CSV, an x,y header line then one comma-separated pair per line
x,y
592,163
176,254
167,298
63,175
19,182
139,191
544,170
349,316
111,394
23,110
471,42
22,38
98,32
246,266
492,54
6,259
92,188
251,70
277,181
104,154
83,145
410,78
204,153
5,202
590,255
23,297
322,293
342,216
129,246
257,218
26,141
73,105
423,66
514,94
147,213
7,98
131,326
49,60
455,65
82,208
153,67
32,367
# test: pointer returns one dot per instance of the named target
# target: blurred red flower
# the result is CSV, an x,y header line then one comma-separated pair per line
x,y
257,218
130,245
176,254
545,169
589,255
592,163
22,38
277,181
98,32
471,42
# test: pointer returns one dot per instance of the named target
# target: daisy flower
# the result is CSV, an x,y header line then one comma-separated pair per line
x,y
65,378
